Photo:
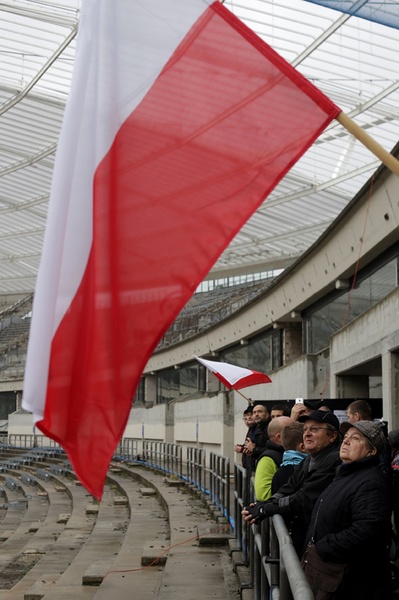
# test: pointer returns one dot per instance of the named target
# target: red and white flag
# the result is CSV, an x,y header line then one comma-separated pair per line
x,y
179,123
234,377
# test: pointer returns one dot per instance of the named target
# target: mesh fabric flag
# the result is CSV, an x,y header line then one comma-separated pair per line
x,y
179,123
234,377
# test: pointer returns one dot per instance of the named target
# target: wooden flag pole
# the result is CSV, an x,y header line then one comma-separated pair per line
x,y
250,403
388,159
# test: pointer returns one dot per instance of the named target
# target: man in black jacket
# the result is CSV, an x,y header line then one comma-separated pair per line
x,y
257,445
246,459
295,500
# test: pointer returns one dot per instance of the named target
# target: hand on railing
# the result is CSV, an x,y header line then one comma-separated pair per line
x,y
255,513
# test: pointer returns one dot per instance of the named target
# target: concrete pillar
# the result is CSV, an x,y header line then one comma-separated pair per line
x,y
170,423
150,390
390,387
292,342
18,400
227,448
318,384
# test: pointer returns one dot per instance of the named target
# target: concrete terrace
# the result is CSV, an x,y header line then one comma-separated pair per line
x,y
149,537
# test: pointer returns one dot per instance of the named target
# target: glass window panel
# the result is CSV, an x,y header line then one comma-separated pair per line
x,y
172,383
261,354
236,356
140,395
277,349
330,318
168,385
7,404
189,380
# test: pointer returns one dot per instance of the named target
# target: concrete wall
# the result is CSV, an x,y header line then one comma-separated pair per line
x,y
147,422
305,377
369,345
207,422
20,423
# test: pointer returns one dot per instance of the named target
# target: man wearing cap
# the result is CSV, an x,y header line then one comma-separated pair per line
x,y
351,522
295,500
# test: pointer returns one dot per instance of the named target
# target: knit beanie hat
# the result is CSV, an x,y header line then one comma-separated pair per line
x,y
393,438
372,432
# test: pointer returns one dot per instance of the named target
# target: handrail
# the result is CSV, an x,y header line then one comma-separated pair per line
x,y
219,483
274,567
289,563
196,468
164,456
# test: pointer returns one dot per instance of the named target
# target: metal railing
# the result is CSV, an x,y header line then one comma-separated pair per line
x,y
274,566
196,468
219,483
242,497
213,481
127,449
28,441
163,456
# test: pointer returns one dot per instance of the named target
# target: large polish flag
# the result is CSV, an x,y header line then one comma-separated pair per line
x,y
179,123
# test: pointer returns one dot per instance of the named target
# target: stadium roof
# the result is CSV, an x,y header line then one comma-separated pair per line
x,y
352,60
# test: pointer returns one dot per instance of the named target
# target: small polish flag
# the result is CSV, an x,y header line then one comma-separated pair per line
x,y
234,377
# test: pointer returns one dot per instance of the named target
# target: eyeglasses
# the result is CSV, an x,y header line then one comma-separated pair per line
x,y
315,429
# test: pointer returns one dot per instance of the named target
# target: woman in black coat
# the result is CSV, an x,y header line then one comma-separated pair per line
x,y
350,525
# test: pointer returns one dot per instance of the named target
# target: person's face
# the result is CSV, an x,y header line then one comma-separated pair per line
x,y
260,414
276,413
352,417
316,436
355,446
249,419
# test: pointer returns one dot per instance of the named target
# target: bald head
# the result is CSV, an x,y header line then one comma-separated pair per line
x,y
275,428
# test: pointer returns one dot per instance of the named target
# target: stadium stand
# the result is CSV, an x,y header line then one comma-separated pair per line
x,y
205,309
57,542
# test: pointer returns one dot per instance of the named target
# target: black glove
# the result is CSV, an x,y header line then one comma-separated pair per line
x,y
261,510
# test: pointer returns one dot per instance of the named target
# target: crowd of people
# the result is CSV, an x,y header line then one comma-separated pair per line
x,y
336,486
